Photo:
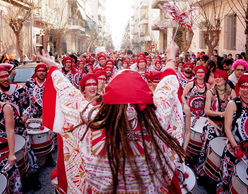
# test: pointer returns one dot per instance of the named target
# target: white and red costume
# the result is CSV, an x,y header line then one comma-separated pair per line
x,y
85,163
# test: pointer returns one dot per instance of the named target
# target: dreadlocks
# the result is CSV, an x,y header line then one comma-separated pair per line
x,y
119,136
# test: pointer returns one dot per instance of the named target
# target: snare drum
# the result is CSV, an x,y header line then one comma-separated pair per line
x,y
3,184
21,154
212,163
239,182
195,142
41,140
189,182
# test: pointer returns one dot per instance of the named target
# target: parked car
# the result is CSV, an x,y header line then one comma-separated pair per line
x,y
24,72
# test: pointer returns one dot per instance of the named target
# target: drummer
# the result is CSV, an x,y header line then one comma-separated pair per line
x,y
18,98
216,101
153,78
236,132
8,166
88,87
194,93
34,88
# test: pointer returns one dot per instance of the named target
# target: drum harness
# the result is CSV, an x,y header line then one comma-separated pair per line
x,y
238,103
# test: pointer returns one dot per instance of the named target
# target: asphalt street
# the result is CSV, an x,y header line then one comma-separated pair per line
x,y
48,188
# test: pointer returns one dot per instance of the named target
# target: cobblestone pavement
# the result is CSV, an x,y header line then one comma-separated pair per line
x,y
48,188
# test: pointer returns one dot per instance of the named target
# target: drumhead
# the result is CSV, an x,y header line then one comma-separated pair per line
x,y
3,183
240,170
37,131
19,142
198,124
34,123
190,181
217,144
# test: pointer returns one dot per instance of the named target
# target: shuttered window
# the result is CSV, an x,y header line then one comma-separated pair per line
x,y
230,32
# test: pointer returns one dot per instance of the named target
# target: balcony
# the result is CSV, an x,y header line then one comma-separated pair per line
x,y
144,4
76,25
143,20
156,2
163,22
45,14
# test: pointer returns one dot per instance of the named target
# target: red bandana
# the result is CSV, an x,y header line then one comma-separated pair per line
x,y
127,87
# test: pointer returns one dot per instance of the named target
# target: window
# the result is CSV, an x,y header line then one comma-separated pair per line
x,y
230,32
202,44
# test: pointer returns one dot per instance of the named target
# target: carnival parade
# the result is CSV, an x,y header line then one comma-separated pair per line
x,y
155,117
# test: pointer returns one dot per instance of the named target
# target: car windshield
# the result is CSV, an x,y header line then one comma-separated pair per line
x,y
23,74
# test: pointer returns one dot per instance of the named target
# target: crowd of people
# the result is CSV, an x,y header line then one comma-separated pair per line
x,y
123,120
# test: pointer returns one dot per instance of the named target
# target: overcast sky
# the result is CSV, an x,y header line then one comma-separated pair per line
x,y
118,12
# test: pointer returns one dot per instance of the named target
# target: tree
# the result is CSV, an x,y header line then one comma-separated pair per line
x,y
241,9
209,18
54,22
16,15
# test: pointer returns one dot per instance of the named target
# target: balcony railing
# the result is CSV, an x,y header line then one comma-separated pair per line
x,y
45,14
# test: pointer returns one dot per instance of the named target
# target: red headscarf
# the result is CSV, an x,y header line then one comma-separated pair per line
x,y
101,57
141,59
81,61
86,78
152,75
6,67
158,62
222,74
200,67
188,64
148,58
158,58
39,66
67,59
110,61
132,61
242,79
100,71
128,87
142,55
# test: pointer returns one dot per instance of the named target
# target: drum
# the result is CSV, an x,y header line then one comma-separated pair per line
x,y
189,182
239,182
21,153
40,137
195,142
212,163
3,184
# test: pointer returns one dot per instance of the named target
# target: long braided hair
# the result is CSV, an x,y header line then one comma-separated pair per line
x,y
114,120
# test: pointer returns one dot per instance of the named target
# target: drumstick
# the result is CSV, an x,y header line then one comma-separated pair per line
x,y
185,174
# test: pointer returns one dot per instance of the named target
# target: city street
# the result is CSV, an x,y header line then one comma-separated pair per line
x,y
44,176
48,188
